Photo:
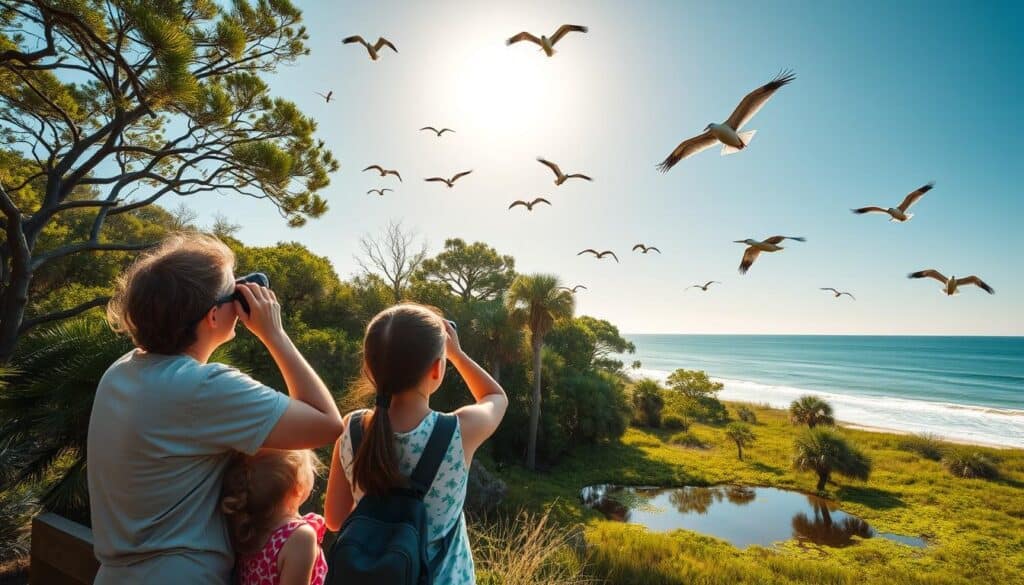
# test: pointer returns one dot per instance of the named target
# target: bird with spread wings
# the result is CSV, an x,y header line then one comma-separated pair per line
x,y
727,133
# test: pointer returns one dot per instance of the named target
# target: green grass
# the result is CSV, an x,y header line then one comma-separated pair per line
x,y
974,527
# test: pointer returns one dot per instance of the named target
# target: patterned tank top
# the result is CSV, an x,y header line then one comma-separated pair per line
x,y
260,568
443,501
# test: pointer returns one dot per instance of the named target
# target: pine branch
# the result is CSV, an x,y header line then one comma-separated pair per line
x,y
58,315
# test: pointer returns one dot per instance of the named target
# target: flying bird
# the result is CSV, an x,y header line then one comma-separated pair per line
x,y
547,44
703,287
727,133
599,255
952,282
838,293
573,289
754,248
645,249
383,172
436,131
379,192
450,182
327,98
898,213
561,177
529,205
373,49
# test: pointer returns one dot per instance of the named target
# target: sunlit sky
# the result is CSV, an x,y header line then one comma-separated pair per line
x,y
888,96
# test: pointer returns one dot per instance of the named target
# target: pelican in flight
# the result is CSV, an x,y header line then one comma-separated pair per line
x,y
754,248
373,49
703,287
327,98
952,283
573,289
436,131
599,255
645,249
379,192
383,172
561,177
547,44
450,182
898,213
837,293
529,205
728,133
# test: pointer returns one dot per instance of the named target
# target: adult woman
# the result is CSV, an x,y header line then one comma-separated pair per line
x,y
166,421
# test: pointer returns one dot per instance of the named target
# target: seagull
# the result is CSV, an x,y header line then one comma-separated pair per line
x,y
755,247
372,49
529,205
378,191
703,287
327,98
838,293
450,182
952,282
436,131
547,44
383,172
573,289
561,177
600,255
899,213
728,132
645,249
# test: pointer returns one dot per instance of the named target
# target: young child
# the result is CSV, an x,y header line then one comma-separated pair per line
x,y
261,498
405,352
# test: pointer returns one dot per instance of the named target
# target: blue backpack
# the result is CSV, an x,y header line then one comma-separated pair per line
x,y
384,540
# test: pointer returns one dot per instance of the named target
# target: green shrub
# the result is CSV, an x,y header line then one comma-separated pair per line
x,y
688,439
811,411
973,464
746,414
692,394
674,422
648,402
824,451
926,445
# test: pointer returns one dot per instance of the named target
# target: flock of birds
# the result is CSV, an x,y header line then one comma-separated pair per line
x,y
729,134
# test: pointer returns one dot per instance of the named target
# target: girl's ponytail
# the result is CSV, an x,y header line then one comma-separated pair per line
x,y
400,345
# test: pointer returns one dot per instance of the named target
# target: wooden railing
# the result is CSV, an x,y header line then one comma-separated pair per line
x,y
61,552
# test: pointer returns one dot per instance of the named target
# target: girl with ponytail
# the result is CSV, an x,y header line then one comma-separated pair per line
x,y
405,354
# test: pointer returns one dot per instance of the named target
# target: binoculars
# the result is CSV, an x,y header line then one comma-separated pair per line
x,y
256,277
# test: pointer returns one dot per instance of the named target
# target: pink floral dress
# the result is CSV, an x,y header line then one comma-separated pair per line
x,y
260,568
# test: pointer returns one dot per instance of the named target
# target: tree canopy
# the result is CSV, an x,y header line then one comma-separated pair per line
x,y
107,107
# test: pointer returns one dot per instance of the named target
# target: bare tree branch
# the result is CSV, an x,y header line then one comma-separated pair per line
x,y
58,315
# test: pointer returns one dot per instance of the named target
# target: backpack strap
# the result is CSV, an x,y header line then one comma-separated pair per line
x,y
355,430
446,544
433,454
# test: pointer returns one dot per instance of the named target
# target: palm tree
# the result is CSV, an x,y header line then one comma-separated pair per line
x,y
503,335
740,434
536,300
44,411
812,411
824,452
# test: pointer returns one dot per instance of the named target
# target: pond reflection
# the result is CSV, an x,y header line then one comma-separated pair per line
x,y
741,515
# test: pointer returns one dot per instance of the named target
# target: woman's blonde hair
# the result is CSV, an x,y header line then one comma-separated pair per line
x,y
255,488
159,299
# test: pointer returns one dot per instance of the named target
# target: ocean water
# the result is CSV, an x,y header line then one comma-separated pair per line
x,y
960,388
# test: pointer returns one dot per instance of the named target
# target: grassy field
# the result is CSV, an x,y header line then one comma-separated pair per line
x,y
974,527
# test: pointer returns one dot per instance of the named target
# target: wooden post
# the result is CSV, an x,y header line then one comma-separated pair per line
x,y
61,552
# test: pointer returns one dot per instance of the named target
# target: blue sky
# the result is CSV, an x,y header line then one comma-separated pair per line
x,y
888,96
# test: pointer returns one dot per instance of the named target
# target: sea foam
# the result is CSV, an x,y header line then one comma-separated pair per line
x,y
955,422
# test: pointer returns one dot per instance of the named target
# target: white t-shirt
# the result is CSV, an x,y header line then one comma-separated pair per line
x,y
161,434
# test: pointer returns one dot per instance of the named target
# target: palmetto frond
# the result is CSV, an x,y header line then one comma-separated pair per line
x,y
45,408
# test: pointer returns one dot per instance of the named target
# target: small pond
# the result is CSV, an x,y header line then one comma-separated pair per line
x,y
739,514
